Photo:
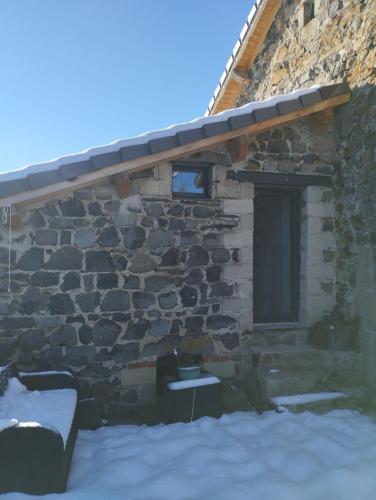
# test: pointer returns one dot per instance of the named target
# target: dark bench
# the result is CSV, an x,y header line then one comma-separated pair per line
x,y
34,459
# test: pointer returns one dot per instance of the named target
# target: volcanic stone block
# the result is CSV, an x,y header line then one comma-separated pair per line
x,y
217,322
84,334
66,258
168,300
155,210
230,340
60,303
65,335
44,278
46,237
213,273
31,260
194,277
31,300
105,332
131,282
105,281
159,328
109,237
79,355
221,289
88,301
142,263
156,283
71,281
202,212
116,300
94,208
198,256
126,352
137,330
159,238
176,210
32,340
133,237
142,300
170,258
85,238
72,208
188,296
194,324
99,261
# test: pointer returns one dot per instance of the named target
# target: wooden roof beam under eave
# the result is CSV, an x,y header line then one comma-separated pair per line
x,y
246,56
141,163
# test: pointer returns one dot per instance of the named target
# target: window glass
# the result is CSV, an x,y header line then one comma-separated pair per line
x,y
190,181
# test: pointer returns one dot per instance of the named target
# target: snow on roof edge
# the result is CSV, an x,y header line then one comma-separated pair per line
x,y
196,123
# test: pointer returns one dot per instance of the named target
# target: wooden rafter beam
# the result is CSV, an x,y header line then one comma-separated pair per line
x,y
144,162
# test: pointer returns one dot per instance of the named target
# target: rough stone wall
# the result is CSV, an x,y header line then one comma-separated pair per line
x,y
337,45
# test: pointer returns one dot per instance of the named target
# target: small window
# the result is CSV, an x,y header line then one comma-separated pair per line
x,y
190,181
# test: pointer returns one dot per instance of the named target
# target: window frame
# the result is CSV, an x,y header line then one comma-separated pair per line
x,y
205,168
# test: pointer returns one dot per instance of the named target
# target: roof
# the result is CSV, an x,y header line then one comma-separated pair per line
x,y
244,53
127,155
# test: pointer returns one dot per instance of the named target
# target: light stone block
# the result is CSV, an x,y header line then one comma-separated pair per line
x,y
138,375
246,222
238,206
236,304
238,239
237,271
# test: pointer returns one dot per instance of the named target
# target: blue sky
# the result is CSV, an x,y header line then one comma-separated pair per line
x,y
80,73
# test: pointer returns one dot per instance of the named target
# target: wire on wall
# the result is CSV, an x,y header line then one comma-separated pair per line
x,y
6,218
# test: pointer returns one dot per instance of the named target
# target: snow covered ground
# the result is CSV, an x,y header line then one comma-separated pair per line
x,y
242,456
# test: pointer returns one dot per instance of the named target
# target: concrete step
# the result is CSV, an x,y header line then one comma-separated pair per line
x,y
351,399
264,337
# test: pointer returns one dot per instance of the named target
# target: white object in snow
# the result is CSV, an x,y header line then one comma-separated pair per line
x,y
52,409
196,382
52,372
300,399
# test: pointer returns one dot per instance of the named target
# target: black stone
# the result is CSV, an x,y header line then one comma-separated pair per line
x,y
219,321
31,260
202,212
170,258
194,278
94,208
159,328
142,263
121,317
105,281
277,146
115,300
188,296
147,221
103,355
65,335
176,210
137,330
88,282
229,340
79,355
220,255
65,238
103,391
4,256
176,324
133,237
213,273
142,300
32,340
155,210
126,352
177,225
131,282
66,258
159,238
221,289
109,237
84,334
120,262
188,238
156,283
99,261
31,300
88,301
168,300
36,219
105,332
60,303
46,237
194,324
72,208
263,136
71,281
198,256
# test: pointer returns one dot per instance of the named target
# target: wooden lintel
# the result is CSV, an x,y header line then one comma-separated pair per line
x,y
238,148
144,162
122,184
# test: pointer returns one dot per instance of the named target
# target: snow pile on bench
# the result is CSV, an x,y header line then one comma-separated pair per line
x,y
52,409
301,399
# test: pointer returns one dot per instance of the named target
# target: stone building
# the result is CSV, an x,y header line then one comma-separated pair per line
x,y
243,236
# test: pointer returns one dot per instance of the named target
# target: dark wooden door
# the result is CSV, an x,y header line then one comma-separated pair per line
x,y
276,256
